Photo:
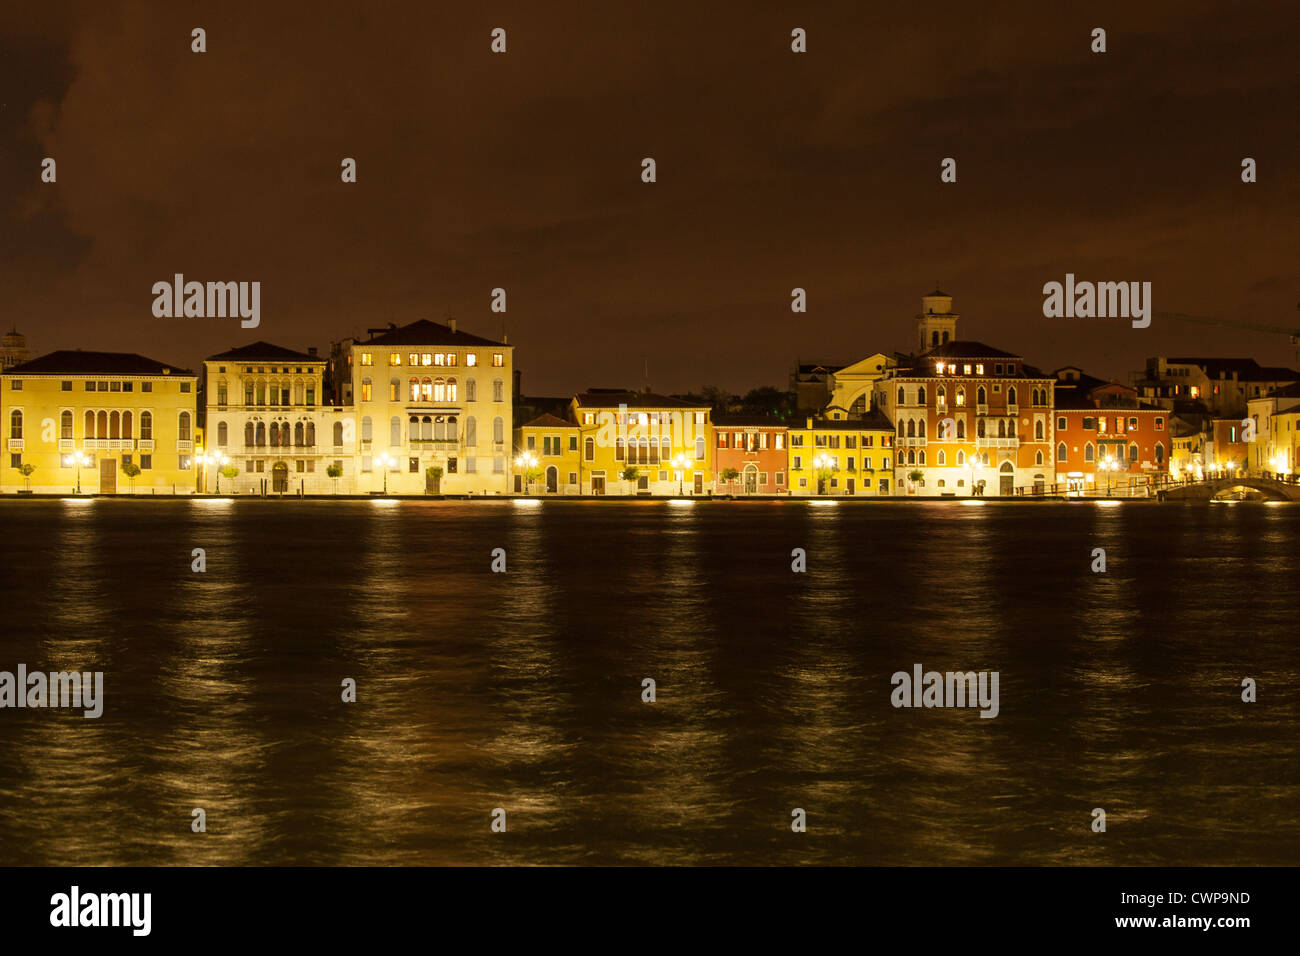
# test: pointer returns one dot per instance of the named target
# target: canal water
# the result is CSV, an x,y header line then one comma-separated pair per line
x,y
523,689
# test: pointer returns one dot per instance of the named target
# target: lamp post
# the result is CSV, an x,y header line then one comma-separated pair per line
x,y
526,463
386,462
681,461
823,464
212,458
81,459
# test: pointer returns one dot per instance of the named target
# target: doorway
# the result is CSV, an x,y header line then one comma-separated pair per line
x,y
280,478
751,479
552,480
1007,476
598,484
107,476
699,484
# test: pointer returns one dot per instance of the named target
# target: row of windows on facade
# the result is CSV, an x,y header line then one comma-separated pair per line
x,y
833,441
1116,452
105,424
758,441
941,368
644,451
833,462
433,358
278,434
433,390
16,385
1099,424
915,457
644,418
1006,428
91,462
835,483
276,393
452,465
1038,396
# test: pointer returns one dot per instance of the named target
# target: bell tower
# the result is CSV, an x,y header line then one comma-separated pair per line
x,y
937,322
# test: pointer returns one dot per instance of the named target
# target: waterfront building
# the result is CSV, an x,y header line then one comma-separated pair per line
x,y
852,387
967,415
756,448
852,457
1272,450
432,406
547,459
1106,438
812,385
268,418
80,418
1222,385
668,441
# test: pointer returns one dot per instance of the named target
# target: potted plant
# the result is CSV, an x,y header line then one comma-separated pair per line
x,y
132,471
434,472
230,471
26,469
629,476
335,472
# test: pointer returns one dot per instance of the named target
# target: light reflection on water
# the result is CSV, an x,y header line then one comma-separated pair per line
x,y
522,690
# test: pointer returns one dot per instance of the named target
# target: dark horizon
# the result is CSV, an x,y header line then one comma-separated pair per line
x,y
775,170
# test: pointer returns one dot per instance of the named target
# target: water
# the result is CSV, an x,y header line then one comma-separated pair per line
x,y
522,690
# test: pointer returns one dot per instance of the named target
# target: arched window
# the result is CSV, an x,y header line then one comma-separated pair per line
x,y
101,425
1133,452
439,428
471,390
15,424
589,449
902,400
665,453
1011,395
961,396
1011,428
945,338
471,431
415,389
394,432
248,435
89,425
900,426
1038,458
940,395
1002,428
366,428
961,428
126,424
934,338
911,456
981,398
911,428
1038,431
1088,454
1160,454
115,425
338,434
451,390
426,428
183,427
979,427
498,430
498,390
439,389
223,434
961,459
146,426
311,434
920,428
260,441
942,459
413,428
920,457
275,435
920,395
297,433
65,425
699,448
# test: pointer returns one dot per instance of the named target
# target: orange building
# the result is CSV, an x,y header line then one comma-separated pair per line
x,y
1108,440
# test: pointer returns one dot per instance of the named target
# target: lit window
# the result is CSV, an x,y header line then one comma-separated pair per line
x,y
966,369
471,359
394,358
498,359
426,358
440,359
979,369
367,358
938,368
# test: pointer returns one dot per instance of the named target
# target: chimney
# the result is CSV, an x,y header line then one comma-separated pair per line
x,y
451,324
809,423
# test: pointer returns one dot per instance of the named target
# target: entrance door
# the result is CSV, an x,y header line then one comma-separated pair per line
x,y
552,480
751,480
1008,478
280,478
433,483
597,484
699,484
848,486
107,476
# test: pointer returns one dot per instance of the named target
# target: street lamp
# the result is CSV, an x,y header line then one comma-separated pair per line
x,y
213,458
823,464
81,459
681,461
386,462
526,463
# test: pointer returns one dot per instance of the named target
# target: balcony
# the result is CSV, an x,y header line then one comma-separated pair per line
x,y
15,444
1013,409
434,442
997,442
911,442
981,409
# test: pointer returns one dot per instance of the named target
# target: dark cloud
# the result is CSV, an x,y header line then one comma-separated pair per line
x,y
775,171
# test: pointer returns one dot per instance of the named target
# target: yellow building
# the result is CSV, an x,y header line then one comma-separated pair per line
x,y
433,409
843,457
268,420
547,459
78,418
668,441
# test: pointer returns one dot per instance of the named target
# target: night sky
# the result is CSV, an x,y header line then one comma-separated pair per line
x,y
775,170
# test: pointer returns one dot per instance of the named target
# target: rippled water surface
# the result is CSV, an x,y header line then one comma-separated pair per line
x,y
523,690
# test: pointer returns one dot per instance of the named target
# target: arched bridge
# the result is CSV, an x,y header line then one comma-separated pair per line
x,y
1270,488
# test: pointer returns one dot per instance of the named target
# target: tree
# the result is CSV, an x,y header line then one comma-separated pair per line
x,y
132,471
916,477
729,475
630,474
335,472
230,472
435,472
26,469
824,475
